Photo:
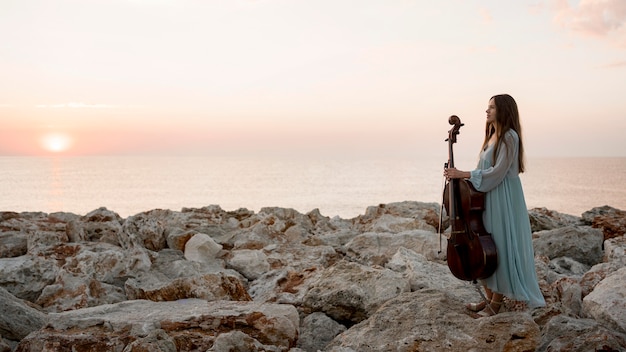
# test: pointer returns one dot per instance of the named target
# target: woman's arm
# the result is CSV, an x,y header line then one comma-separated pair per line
x,y
488,179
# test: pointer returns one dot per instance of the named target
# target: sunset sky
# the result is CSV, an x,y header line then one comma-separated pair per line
x,y
166,77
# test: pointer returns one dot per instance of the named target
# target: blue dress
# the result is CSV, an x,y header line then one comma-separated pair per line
x,y
506,218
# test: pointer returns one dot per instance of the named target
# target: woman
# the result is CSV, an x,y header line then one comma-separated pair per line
x,y
505,215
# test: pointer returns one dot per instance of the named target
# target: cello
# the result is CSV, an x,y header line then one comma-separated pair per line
x,y
471,251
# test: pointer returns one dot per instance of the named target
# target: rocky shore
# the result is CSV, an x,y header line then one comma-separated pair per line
x,y
206,279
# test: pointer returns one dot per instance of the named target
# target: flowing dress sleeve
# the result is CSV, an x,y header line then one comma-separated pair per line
x,y
484,180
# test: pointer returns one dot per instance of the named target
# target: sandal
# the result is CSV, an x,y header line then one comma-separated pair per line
x,y
490,310
476,307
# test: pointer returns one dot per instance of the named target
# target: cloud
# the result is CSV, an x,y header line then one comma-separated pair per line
x,y
615,64
486,16
78,106
605,19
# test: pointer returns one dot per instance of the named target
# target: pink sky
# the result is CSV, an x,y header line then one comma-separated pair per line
x,y
282,76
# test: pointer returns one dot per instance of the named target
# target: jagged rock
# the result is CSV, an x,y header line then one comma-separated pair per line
x,y
173,264
26,276
565,266
144,231
284,285
611,221
272,226
399,217
614,258
210,287
596,274
567,296
192,325
18,319
177,238
374,280
544,219
98,225
367,289
42,224
13,244
92,274
424,274
70,291
201,248
236,341
318,330
431,320
563,333
338,238
615,251
377,248
156,341
300,256
607,302
583,244
4,347
250,263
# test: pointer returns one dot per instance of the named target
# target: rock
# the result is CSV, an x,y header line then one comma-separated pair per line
x,y
377,248
144,231
192,325
431,320
424,274
400,217
209,287
368,288
156,341
250,263
317,330
13,244
93,273
568,296
607,302
284,285
41,229
300,256
236,341
563,333
596,274
18,319
611,221
177,238
565,266
4,347
583,244
26,276
279,280
543,219
201,248
615,251
99,225
70,291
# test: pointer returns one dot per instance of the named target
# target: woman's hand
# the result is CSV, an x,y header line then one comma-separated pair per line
x,y
452,172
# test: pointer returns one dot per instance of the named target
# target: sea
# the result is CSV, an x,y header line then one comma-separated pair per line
x,y
343,187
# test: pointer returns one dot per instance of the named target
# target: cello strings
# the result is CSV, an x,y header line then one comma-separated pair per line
x,y
443,187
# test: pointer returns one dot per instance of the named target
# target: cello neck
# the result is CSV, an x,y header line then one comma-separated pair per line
x,y
452,133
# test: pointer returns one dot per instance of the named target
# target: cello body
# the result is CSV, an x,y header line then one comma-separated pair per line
x,y
471,251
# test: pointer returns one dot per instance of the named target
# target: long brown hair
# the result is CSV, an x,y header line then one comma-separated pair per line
x,y
507,118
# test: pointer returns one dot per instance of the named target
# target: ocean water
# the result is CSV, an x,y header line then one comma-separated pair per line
x,y
337,187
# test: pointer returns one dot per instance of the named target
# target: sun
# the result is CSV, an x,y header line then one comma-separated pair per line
x,y
56,142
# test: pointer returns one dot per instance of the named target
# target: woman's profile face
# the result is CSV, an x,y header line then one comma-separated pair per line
x,y
491,111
